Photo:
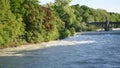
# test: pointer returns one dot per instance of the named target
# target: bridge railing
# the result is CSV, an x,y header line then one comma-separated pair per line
x,y
106,25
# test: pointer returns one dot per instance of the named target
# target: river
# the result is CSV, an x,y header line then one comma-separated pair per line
x,y
79,51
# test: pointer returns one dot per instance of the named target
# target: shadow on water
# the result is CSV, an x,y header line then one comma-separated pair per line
x,y
78,55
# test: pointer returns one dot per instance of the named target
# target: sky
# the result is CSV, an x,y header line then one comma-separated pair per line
x,y
109,5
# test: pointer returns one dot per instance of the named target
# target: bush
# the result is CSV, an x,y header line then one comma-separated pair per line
x,y
91,28
72,30
65,33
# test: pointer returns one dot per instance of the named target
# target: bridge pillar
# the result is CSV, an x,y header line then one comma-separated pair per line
x,y
107,25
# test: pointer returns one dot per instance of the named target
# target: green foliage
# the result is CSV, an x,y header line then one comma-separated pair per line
x,y
10,28
65,12
65,17
91,28
26,21
72,30
65,33
87,14
114,17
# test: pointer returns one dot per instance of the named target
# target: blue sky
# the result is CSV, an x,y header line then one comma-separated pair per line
x,y
109,5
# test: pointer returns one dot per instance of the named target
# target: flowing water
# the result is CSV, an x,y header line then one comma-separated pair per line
x,y
79,51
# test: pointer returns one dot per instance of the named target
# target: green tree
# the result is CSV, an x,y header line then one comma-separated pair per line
x,y
10,28
65,14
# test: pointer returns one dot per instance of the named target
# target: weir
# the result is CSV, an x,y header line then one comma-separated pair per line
x,y
114,32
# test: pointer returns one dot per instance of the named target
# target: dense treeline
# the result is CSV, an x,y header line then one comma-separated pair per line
x,y
86,14
26,21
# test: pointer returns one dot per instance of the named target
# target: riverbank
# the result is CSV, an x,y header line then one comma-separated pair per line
x,y
51,43
12,50
78,51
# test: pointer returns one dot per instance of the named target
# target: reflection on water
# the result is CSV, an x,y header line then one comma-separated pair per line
x,y
80,51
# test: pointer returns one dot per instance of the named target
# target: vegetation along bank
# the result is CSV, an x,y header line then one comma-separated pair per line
x,y
26,21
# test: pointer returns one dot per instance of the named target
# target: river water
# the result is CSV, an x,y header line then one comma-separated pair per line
x,y
79,51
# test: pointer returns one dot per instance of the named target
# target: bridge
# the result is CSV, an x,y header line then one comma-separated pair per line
x,y
106,25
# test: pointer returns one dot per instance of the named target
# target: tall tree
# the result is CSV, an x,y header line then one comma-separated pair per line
x,y
11,29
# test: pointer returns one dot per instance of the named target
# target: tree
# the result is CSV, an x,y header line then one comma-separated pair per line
x,y
11,29
65,15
